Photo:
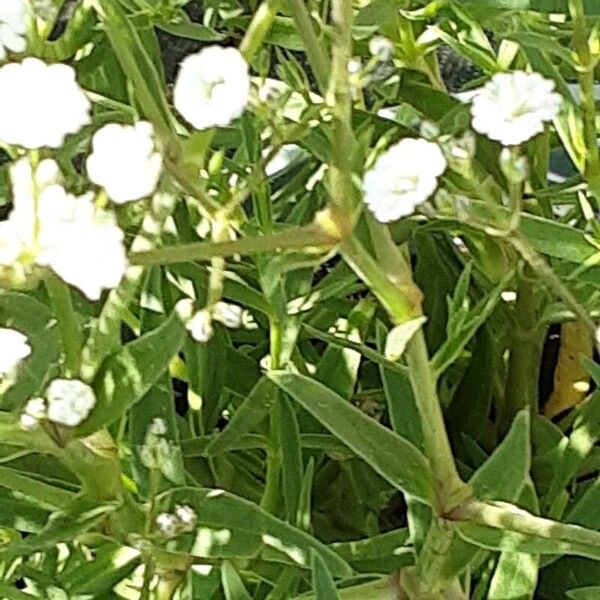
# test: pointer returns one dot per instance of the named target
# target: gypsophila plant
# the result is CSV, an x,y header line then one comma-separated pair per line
x,y
299,299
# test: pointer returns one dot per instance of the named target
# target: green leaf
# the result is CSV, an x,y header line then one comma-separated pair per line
x,y
502,476
393,457
323,584
404,416
137,65
544,6
37,322
47,496
232,583
515,577
586,432
223,517
291,457
584,593
82,515
126,376
112,563
399,336
249,414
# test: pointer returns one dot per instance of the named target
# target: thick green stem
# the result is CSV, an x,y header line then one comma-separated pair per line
x,y
510,518
527,339
586,80
339,97
258,29
399,300
313,46
70,332
272,491
437,445
305,237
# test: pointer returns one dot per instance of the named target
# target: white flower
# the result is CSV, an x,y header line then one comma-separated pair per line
x,y
70,401
200,326
40,104
212,87
52,228
124,161
14,347
402,178
231,315
513,107
187,517
13,26
84,245
167,524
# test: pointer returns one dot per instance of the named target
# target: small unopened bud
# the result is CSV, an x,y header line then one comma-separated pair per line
x,y
28,423
231,315
187,518
200,326
381,48
167,524
429,130
36,407
513,166
158,426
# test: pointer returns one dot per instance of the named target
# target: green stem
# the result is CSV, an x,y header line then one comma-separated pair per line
x,y
586,79
437,445
393,295
272,491
314,48
510,518
339,97
305,237
386,588
527,339
549,277
70,332
258,29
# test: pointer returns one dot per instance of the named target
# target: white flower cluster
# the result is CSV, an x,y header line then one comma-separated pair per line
x,y
511,109
40,105
67,402
51,228
230,315
14,348
13,26
182,520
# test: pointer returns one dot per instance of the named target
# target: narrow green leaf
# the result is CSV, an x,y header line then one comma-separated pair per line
x,y
515,577
249,414
37,322
126,376
291,457
393,457
233,586
323,584
222,517
47,496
